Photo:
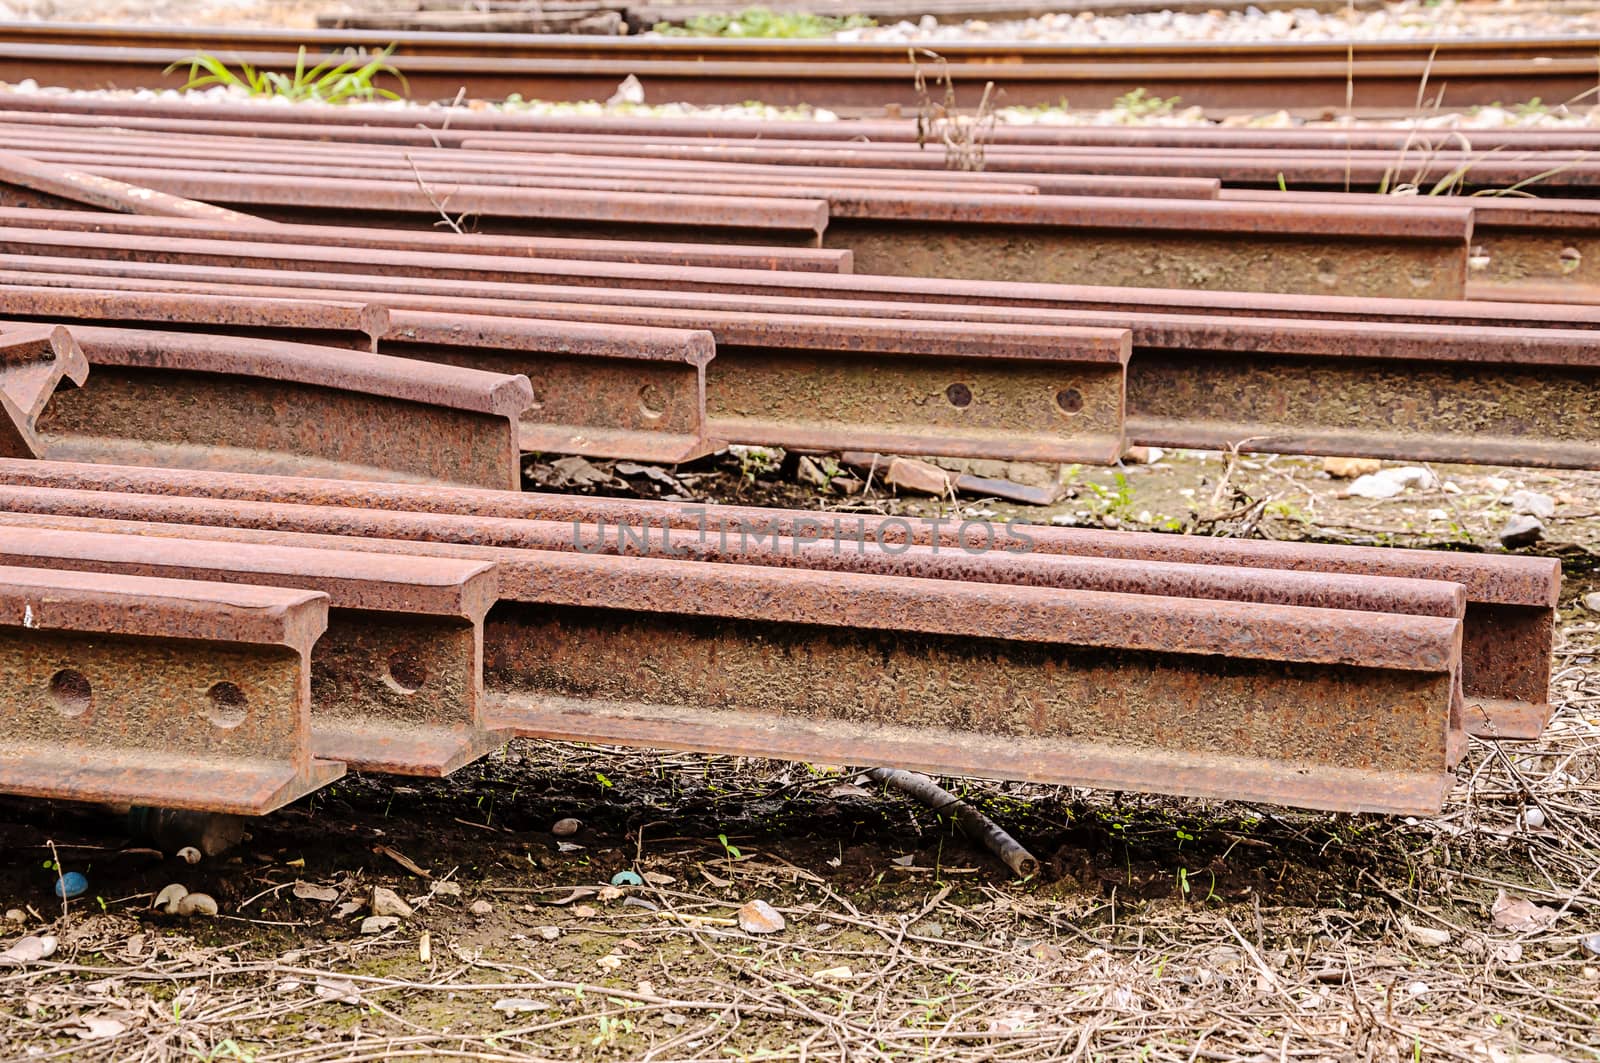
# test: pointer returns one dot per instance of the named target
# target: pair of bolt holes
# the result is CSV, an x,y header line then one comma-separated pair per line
x,y
71,694
1068,400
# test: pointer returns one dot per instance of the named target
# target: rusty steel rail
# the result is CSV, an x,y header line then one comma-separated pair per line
x,y
212,401
34,360
599,389
1356,250
1342,169
77,187
1509,600
1047,393
815,260
655,631
834,74
113,146
1413,390
46,233
1515,241
348,325
1021,391
396,679
173,693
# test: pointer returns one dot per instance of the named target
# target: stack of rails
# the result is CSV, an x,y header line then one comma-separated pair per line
x,y
297,381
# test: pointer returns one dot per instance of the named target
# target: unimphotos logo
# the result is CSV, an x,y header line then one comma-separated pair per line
x,y
692,532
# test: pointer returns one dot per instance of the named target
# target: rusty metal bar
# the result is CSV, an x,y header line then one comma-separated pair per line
x,y
598,389
396,680
99,191
1011,390
797,381
727,256
1515,241
602,389
283,259
205,401
762,219
124,147
1510,600
310,320
1413,253
34,359
1361,170
173,693
1421,391
1008,680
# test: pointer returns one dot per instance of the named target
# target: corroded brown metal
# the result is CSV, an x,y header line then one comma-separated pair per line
x,y
806,259
172,693
1509,611
106,146
1141,242
1002,389
614,390
1515,241
1428,389
664,215
99,191
228,402
1509,615
34,359
1090,687
1333,170
834,74
332,323
1040,393
396,680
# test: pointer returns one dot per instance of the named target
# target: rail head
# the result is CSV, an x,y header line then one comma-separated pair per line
x,y
597,340
455,387
399,583
49,600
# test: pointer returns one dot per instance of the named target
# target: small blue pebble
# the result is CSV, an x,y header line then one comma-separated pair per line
x,y
626,878
71,885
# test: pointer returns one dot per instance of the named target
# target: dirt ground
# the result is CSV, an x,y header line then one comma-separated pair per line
x,y
1159,929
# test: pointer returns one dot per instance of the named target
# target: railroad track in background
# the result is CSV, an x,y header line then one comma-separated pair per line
x,y
847,76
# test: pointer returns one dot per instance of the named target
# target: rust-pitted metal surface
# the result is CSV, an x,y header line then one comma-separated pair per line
x,y
1314,248
1510,611
34,359
1377,693
1397,267
117,146
810,260
674,215
1554,242
1487,394
1002,389
396,680
614,390
171,693
96,190
965,704
339,324
228,402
